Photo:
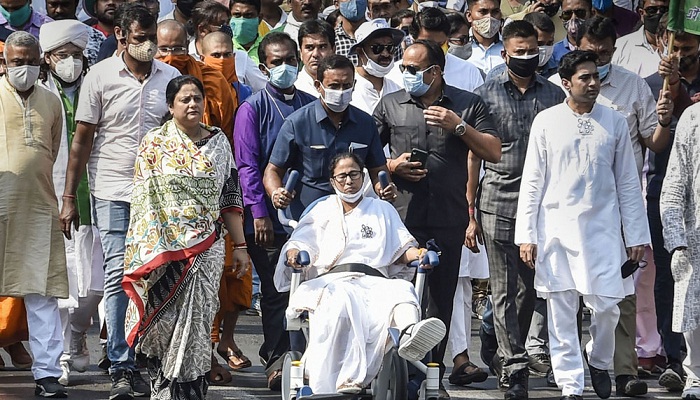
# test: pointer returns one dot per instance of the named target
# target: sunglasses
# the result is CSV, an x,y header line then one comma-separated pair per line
x,y
413,70
580,14
459,40
378,49
651,10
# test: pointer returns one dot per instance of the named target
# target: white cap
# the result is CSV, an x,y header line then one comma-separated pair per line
x,y
374,28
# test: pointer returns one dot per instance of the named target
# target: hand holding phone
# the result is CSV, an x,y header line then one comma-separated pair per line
x,y
418,155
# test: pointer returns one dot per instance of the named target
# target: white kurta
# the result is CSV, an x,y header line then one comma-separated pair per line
x,y
579,186
349,312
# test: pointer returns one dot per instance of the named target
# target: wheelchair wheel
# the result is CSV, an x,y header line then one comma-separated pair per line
x,y
392,381
286,373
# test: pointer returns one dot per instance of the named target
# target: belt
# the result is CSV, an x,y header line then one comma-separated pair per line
x,y
356,267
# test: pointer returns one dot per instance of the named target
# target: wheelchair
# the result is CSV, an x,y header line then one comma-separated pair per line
x,y
391,383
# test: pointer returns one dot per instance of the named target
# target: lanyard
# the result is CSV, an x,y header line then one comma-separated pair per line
x,y
69,109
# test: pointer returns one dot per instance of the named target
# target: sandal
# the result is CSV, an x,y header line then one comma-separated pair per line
x,y
467,373
235,358
218,375
19,356
274,380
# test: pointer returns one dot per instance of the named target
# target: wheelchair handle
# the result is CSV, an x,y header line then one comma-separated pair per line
x,y
303,258
284,218
430,258
291,181
384,179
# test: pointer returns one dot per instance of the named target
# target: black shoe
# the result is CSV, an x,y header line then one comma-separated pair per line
x,y
551,382
104,362
489,347
673,378
49,387
496,368
630,386
600,379
539,364
571,397
517,385
121,385
140,387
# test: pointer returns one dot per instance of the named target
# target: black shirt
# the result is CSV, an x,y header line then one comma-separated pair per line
x,y
439,199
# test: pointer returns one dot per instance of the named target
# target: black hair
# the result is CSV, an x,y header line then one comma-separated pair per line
x,y
598,29
186,6
333,16
519,29
275,38
430,19
317,27
128,13
401,14
177,83
470,3
334,61
570,62
254,3
342,156
206,12
435,54
457,21
540,21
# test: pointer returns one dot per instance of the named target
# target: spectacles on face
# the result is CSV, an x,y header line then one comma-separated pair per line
x,y
341,178
459,40
378,49
579,12
176,51
63,56
651,10
413,69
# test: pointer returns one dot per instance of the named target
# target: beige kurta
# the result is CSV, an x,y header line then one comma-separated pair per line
x,y
32,255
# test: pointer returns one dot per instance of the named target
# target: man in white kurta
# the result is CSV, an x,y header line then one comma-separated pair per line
x,y
579,186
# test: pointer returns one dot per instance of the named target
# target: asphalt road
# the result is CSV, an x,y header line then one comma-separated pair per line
x,y
251,383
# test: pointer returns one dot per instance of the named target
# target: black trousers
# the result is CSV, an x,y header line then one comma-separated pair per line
x,y
272,303
442,281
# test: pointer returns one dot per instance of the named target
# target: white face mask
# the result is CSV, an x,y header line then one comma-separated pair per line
x,y
347,197
545,54
69,69
376,69
337,100
24,77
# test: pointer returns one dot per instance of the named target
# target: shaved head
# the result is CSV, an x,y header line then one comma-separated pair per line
x,y
215,41
171,33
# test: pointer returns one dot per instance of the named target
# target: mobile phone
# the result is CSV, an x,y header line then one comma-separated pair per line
x,y
418,155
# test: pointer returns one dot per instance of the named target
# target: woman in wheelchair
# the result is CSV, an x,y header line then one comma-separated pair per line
x,y
357,285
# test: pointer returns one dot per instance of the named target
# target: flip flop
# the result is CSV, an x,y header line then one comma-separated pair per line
x,y
461,377
274,380
218,375
235,359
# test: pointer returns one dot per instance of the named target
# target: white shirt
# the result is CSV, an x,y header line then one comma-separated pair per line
x,y
247,71
305,83
486,58
124,110
282,21
578,188
635,54
458,73
365,96
630,95
291,28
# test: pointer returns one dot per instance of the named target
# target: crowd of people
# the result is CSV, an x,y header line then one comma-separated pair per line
x,y
545,147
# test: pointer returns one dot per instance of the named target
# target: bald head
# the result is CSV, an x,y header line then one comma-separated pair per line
x,y
216,42
172,33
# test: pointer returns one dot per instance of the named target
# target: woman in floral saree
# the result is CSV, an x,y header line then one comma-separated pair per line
x,y
185,188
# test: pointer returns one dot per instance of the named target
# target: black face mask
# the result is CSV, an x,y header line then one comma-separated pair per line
x,y
551,9
685,63
651,23
523,67
186,6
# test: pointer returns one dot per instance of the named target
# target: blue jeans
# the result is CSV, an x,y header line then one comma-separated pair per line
x,y
112,220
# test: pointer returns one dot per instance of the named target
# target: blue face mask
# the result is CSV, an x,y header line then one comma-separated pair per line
x,y
353,10
245,30
283,76
414,83
603,71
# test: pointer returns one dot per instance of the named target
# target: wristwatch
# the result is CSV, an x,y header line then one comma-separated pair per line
x,y
461,129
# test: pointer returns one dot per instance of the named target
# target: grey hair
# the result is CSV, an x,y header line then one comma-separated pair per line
x,y
21,39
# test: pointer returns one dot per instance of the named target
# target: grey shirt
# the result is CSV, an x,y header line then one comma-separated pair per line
x,y
513,112
439,199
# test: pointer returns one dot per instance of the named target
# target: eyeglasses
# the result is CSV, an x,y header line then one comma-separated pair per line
x,y
579,12
412,69
179,50
341,178
63,56
459,40
651,10
378,49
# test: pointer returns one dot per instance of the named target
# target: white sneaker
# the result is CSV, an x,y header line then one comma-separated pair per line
x,y
65,373
420,338
691,390
79,353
